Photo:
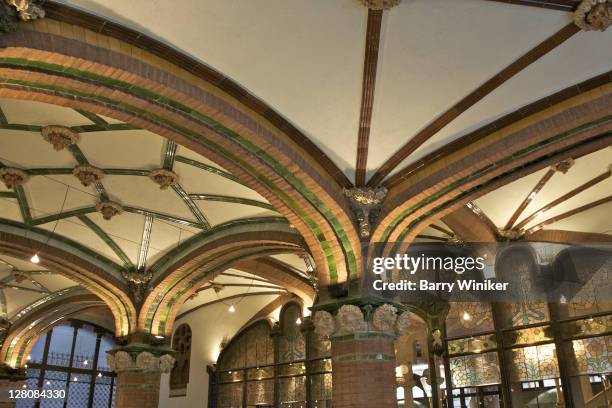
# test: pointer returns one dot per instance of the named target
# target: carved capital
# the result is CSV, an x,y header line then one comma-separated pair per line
x,y
59,136
563,166
87,174
13,11
594,15
351,319
109,209
135,358
366,203
13,177
164,178
380,4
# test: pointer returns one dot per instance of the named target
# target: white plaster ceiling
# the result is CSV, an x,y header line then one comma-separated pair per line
x,y
112,149
305,59
17,295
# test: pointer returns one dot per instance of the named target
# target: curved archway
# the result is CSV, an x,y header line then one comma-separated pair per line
x,y
204,258
93,272
40,317
571,128
167,101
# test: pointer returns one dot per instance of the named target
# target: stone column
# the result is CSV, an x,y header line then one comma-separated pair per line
x,y
363,354
10,379
139,368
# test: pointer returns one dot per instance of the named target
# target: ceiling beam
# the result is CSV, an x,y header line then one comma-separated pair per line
x,y
145,241
561,5
470,100
367,93
568,214
496,125
563,198
530,197
225,299
107,239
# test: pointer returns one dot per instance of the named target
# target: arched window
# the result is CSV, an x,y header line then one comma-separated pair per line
x,y
288,366
179,377
72,357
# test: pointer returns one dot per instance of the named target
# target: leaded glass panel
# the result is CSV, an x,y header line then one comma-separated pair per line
x,y
475,370
535,363
594,355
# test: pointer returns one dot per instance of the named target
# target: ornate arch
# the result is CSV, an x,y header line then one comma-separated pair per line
x,y
62,64
177,277
571,128
90,270
36,319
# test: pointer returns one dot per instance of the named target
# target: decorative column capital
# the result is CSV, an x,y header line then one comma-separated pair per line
x,y
351,319
12,11
380,4
366,203
141,358
594,15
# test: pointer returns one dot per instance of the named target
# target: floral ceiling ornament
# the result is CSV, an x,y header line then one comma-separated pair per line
x,y
366,203
21,276
165,178
13,177
324,323
563,166
138,278
59,136
88,174
109,209
380,4
384,318
594,15
349,319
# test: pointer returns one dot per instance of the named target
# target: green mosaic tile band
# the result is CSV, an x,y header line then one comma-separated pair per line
x,y
363,336
364,357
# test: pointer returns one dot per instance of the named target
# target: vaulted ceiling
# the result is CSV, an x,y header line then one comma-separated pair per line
x,y
306,97
317,62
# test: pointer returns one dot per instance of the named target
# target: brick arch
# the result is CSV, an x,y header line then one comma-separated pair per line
x,y
177,281
73,263
79,69
578,124
279,274
41,317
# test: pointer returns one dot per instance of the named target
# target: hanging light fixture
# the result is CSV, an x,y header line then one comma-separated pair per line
x,y
231,309
298,321
466,316
35,259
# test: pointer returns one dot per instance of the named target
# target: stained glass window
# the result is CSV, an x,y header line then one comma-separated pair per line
x,y
248,368
476,344
475,370
292,344
466,318
535,363
594,355
524,313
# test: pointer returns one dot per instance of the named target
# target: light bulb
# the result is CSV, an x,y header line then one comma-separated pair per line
x,y
75,379
466,316
35,259
231,309
99,374
298,321
85,362
48,382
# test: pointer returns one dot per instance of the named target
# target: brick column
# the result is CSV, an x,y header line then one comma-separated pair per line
x,y
139,368
363,354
